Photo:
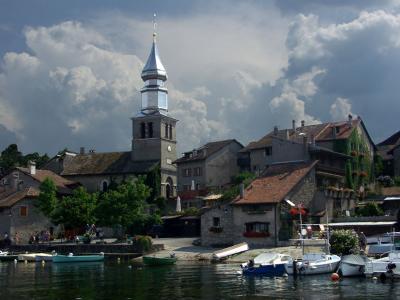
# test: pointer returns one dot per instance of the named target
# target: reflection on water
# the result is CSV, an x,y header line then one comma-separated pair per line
x,y
107,280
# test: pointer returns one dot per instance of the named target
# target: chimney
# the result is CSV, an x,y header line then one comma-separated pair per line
x,y
350,121
275,130
333,131
294,125
287,134
303,123
15,180
241,188
32,167
82,151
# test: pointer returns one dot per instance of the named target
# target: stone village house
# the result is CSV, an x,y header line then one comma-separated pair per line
x,y
390,154
207,169
18,193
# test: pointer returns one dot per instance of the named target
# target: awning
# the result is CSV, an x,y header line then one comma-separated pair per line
x,y
213,197
392,199
344,224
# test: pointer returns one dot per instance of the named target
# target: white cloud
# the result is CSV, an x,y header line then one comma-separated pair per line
x,y
340,109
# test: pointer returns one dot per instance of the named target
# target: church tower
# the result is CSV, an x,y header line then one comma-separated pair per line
x,y
153,130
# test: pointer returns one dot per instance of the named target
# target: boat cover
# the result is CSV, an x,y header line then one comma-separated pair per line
x,y
352,259
265,258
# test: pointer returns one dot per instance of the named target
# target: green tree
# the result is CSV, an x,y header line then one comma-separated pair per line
x,y
344,242
76,210
126,206
10,158
245,177
47,199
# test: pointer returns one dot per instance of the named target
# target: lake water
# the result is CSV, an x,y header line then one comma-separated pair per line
x,y
183,281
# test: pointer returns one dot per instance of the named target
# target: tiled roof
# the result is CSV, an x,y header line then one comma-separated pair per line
x,y
105,163
11,199
320,132
41,175
392,140
275,184
205,151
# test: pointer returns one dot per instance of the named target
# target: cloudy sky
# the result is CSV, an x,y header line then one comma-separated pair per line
x,y
70,70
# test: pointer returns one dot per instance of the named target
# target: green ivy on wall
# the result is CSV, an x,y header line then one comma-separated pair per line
x,y
359,169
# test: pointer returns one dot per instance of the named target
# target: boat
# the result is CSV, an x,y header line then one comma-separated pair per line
x,y
5,256
313,263
31,257
41,258
235,249
353,265
384,267
158,261
57,258
268,264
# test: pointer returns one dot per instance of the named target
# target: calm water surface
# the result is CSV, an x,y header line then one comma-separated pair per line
x,y
182,281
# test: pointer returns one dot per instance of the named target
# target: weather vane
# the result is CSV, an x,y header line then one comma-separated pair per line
x,y
154,26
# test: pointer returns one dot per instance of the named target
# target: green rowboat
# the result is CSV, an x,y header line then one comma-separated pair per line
x,y
79,258
159,261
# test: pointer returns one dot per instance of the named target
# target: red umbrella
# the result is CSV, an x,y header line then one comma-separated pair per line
x,y
295,211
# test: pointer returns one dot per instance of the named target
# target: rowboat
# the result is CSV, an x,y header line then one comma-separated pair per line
x,y
268,264
78,258
158,261
353,265
313,263
235,249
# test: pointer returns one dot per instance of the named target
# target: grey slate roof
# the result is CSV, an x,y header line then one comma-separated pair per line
x,y
154,67
105,163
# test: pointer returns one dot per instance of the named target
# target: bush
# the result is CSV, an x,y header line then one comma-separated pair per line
x,y
344,242
144,241
397,181
370,210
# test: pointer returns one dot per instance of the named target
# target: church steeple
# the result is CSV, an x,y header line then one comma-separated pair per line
x,y
154,94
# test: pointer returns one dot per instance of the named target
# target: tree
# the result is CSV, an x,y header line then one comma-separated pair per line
x,y
126,206
47,199
10,158
370,210
77,210
344,242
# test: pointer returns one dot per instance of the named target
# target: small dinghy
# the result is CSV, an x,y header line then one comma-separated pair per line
x,y
268,264
159,261
353,265
31,257
313,263
78,258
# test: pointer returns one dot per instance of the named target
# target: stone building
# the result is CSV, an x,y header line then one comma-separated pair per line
x,y
259,214
206,169
153,142
386,150
18,193
395,152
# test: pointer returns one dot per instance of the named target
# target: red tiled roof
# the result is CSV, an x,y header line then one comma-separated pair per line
x,y
391,191
275,184
11,199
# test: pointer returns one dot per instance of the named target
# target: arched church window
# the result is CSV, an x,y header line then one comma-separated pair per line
x,y
150,127
166,131
104,186
142,130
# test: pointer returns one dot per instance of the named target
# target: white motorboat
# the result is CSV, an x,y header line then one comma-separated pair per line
x,y
384,267
235,249
353,265
3,253
314,263
31,257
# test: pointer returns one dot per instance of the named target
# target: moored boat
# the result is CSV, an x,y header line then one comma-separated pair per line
x,y
5,256
353,265
384,267
268,264
77,258
313,263
31,257
235,249
158,261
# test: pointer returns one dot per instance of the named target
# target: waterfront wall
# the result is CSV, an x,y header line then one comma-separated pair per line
x,y
85,248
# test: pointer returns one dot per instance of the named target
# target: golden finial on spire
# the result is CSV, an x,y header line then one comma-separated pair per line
x,y
154,27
